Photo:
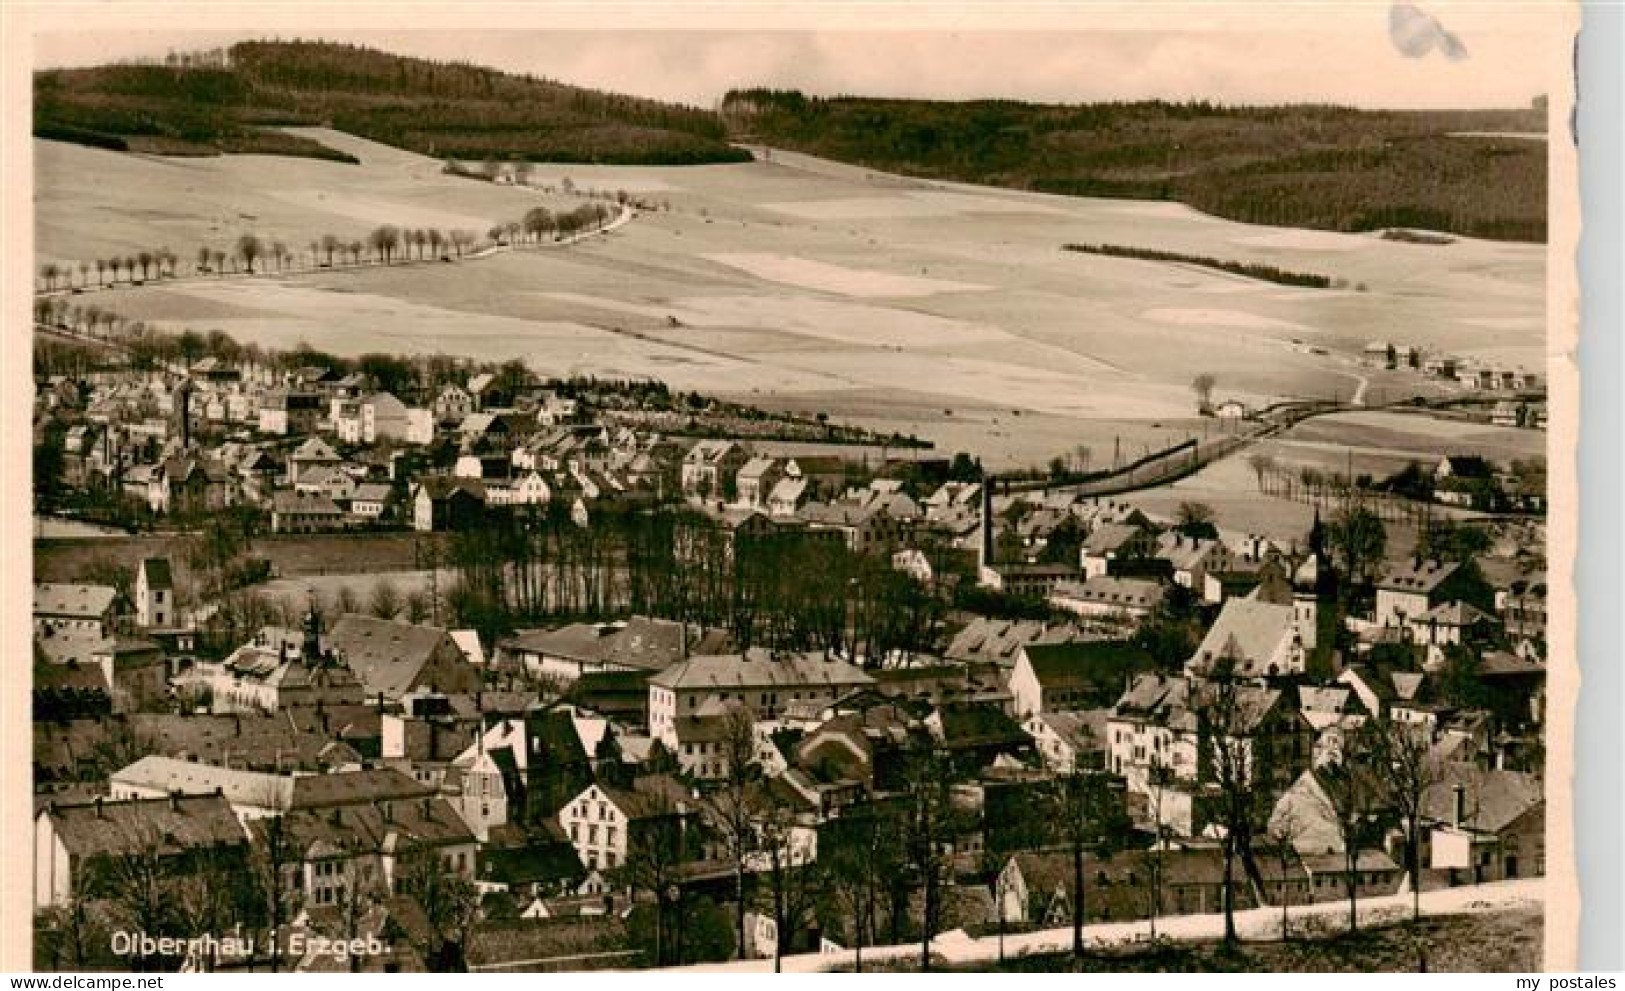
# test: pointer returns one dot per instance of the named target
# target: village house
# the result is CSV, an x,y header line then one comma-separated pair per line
x,y
154,595
689,692
1485,825
1037,886
394,659
452,403
1071,741
1305,813
74,608
604,822
710,469
296,512
1070,677
326,480
1112,543
1256,638
383,418
787,497
290,414
1193,558
755,481
1408,590
189,485
441,503
279,669
312,454
371,501
1105,597
563,655
77,846
996,643
1157,741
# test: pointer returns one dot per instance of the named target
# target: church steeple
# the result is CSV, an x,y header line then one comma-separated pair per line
x,y
312,649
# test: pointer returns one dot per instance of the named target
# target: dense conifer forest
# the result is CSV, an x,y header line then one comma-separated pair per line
x,y
233,101
1332,168
1326,167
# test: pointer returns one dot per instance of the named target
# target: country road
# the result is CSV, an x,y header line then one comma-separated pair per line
x,y
1255,925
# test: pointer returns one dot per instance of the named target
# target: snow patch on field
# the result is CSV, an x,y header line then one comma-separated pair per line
x,y
1218,318
374,211
1501,323
861,208
826,277
1306,241
911,205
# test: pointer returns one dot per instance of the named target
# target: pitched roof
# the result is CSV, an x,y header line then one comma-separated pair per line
x,y
70,600
157,571
758,667
1416,576
388,825
1249,631
1493,799
170,775
998,640
1084,730
286,502
1086,663
1455,614
167,826
1109,537
374,784
387,656
314,449
1124,593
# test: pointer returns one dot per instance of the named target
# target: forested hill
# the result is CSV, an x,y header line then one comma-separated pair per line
x,y
232,101
1323,167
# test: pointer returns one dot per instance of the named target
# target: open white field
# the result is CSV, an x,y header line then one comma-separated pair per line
x,y
94,204
811,285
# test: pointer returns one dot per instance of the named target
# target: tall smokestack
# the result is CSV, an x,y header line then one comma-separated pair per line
x,y
985,549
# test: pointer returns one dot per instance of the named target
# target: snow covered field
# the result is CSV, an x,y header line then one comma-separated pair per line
x,y
940,309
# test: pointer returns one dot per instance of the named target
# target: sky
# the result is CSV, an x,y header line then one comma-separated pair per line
x,y
1442,55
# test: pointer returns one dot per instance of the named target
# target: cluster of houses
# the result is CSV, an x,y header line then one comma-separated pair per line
x,y
540,768
1470,373
317,451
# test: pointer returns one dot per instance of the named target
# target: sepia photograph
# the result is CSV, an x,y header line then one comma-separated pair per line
x,y
1083,490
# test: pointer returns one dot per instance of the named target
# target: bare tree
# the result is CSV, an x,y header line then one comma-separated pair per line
x,y
1348,796
727,804
1283,835
1263,466
654,851
1202,386
345,599
792,883
1405,766
1159,776
928,826
249,248
385,602
1234,756
1087,811
863,854
450,903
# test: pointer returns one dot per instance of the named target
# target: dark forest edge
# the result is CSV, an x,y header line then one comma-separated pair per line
x,y
1324,167
231,102
1249,270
